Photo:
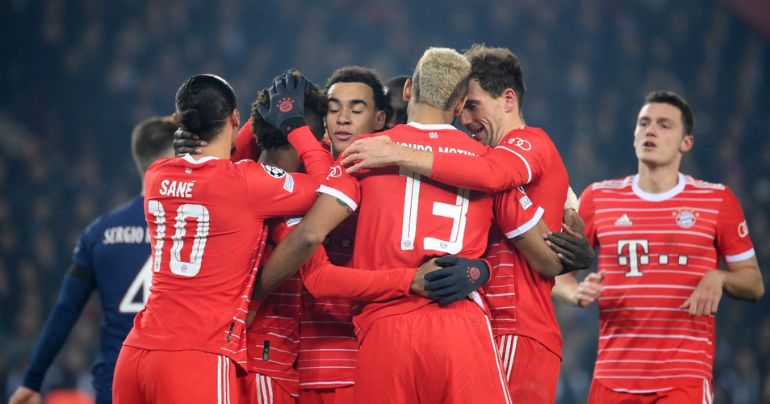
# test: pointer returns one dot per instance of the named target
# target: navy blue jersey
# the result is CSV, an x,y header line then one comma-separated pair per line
x,y
111,256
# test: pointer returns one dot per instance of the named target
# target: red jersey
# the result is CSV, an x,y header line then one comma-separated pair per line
x,y
435,219
206,220
246,147
656,249
519,298
328,345
525,156
273,334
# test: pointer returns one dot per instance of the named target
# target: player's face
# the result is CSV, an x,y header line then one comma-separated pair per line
x,y
351,113
482,115
659,137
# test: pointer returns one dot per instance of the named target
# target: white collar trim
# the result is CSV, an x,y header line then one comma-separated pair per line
x,y
190,159
435,126
647,196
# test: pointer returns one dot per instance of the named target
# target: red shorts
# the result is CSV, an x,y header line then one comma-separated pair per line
x,y
431,355
255,388
340,395
145,376
698,392
531,369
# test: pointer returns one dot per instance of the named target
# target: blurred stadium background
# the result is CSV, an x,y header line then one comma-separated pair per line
x,y
76,76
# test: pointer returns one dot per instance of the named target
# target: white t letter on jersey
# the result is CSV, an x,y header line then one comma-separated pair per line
x,y
633,259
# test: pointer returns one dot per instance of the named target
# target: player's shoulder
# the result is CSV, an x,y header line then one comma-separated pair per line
x,y
526,137
130,213
696,183
612,184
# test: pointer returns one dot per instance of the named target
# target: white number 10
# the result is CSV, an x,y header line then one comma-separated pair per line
x,y
191,267
456,212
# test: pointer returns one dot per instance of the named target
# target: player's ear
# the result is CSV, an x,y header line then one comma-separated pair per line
x,y
509,100
687,143
235,118
379,120
459,106
407,94
175,117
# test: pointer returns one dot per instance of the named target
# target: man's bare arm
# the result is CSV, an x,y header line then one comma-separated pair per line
x,y
537,253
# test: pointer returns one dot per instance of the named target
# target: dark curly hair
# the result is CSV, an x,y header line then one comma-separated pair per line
x,y
269,137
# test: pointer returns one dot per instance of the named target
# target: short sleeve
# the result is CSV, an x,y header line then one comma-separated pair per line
x,y
515,213
271,191
342,186
586,210
733,241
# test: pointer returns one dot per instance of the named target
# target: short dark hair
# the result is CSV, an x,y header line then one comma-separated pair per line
x,y
672,98
359,74
151,139
269,137
496,69
394,89
204,103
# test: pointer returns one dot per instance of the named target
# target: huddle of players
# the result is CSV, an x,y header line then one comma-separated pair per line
x,y
299,341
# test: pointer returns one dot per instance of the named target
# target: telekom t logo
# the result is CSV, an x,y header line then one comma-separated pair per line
x,y
634,257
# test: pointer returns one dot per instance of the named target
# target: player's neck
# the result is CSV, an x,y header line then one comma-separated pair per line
x,y
219,146
510,122
658,179
425,114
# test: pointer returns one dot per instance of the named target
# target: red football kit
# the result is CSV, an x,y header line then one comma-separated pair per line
x,y
419,342
519,298
206,218
656,248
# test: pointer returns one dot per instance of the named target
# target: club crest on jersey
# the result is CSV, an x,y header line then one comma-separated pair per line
x,y
274,172
285,104
685,217
520,143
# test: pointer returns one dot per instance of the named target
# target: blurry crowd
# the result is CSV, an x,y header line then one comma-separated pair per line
x,y
77,75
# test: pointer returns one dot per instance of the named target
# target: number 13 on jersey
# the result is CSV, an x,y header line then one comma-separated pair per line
x,y
457,212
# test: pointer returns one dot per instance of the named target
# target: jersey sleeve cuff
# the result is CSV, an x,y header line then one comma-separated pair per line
x,y
526,226
740,257
323,189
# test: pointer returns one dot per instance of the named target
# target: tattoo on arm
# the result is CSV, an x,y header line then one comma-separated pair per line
x,y
350,211
519,237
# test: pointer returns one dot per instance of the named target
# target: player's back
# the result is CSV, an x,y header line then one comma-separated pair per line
x,y
115,248
206,218
406,219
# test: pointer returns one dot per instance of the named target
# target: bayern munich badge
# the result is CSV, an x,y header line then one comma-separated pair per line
x,y
685,217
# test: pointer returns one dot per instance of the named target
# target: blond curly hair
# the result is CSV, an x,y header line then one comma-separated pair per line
x,y
441,78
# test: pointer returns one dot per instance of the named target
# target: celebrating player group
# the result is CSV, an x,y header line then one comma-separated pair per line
x,y
348,244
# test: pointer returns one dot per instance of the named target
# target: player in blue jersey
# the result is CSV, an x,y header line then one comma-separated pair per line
x,y
112,257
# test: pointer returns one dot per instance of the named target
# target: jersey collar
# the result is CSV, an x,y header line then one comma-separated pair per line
x,y
435,126
647,196
190,159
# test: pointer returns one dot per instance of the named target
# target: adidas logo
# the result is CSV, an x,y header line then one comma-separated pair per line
x,y
623,221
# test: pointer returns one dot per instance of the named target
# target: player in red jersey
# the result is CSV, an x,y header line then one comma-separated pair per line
x,y
328,348
660,236
519,296
425,344
206,217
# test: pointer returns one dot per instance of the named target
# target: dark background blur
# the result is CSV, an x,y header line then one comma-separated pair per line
x,y
77,75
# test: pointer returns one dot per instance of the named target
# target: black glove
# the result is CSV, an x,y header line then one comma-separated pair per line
x,y
185,142
458,278
287,102
573,249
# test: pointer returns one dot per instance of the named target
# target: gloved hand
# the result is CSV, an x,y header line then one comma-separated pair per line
x,y
458,278
287,102
185,142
